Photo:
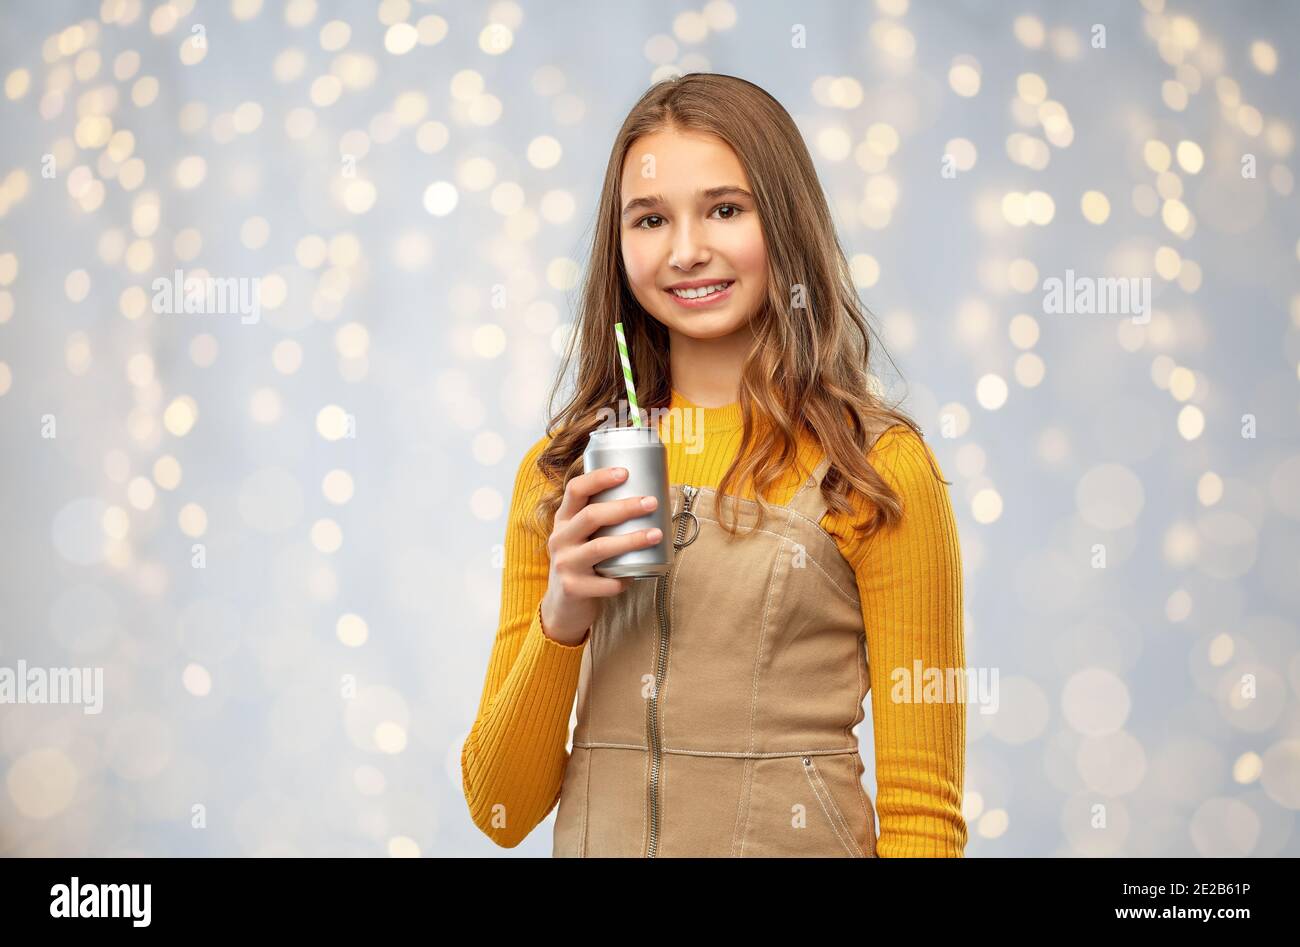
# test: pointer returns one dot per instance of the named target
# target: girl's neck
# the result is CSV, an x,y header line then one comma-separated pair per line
x,y
706,372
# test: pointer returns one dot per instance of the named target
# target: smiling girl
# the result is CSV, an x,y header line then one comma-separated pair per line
x,y
816,552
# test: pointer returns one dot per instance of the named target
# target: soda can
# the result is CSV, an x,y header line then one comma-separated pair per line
x,y
646,459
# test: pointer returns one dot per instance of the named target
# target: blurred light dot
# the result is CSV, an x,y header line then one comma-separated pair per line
x,y
562,273
402,846
431,29
192,520
167,472
1095,702
1096,208
1220,650
265,406
299,12
180,415
42,783
352,630
993,824
286,356
1157,155
401,38
254,233
140,493
991,392
77,285
1182,383
1191,422
962,151
1247,768
1030,370
390,737
486,504
352,340
1031,88
1190,156
331,422
337,486
489,340
116,522
1178,607
326,535
144,91
986,506
488,448
190,172
203,349
1029,31
495,38
334,35
1209,488
544,152
1264,56
1023,330
865,270
964,76
197,680
325,91
440,198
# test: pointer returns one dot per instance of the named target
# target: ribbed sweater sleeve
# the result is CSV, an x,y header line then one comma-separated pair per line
x,y
512,762
910,586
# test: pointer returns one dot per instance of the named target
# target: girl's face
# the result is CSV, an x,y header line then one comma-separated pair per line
x,y
690,223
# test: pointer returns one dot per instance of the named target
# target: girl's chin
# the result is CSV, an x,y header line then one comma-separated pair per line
x,y
704,325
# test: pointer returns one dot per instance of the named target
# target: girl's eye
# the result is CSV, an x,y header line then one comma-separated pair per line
x,y
736,211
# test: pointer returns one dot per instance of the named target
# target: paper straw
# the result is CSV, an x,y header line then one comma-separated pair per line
x,y
627,375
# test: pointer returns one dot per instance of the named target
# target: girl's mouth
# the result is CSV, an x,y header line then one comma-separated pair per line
x,y
704,296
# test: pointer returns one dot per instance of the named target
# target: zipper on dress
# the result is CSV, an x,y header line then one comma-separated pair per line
x,y
661,669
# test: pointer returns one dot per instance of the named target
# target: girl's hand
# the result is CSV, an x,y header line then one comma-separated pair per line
x,y
574,590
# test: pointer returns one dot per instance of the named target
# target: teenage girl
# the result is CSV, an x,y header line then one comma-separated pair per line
x,y
816,554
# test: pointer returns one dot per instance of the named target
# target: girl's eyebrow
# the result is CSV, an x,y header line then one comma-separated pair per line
x,y
654,200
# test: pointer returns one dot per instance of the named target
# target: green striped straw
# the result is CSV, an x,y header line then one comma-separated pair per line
x,y
627,375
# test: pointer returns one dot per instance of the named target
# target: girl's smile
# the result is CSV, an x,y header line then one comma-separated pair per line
x,y
697,294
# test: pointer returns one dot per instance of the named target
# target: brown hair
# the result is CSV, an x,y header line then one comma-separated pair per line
x,y
809,365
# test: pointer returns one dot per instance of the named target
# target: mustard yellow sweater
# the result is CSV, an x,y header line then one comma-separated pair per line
x,y
910,586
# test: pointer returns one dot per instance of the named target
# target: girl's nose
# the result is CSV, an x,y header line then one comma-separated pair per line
x,y
688,249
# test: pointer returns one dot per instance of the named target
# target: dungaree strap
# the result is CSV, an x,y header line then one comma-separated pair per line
x,y
808,498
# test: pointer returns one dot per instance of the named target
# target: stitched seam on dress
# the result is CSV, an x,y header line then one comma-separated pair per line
x,y
762,630
739,831
822,802
730,754
835,808
862,802
590,658
849,597
838,825
811,522
586,805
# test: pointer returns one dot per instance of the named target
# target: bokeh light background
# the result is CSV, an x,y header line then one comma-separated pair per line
x,y
413,184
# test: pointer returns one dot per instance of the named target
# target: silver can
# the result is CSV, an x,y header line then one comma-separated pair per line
x,y
646,459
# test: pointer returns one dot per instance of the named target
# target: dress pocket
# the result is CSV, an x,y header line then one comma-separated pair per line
x,y
839,825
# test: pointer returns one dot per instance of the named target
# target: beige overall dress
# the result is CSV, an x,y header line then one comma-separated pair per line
x,y
717,704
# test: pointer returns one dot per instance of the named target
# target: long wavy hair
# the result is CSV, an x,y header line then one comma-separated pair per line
x,y
809,363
